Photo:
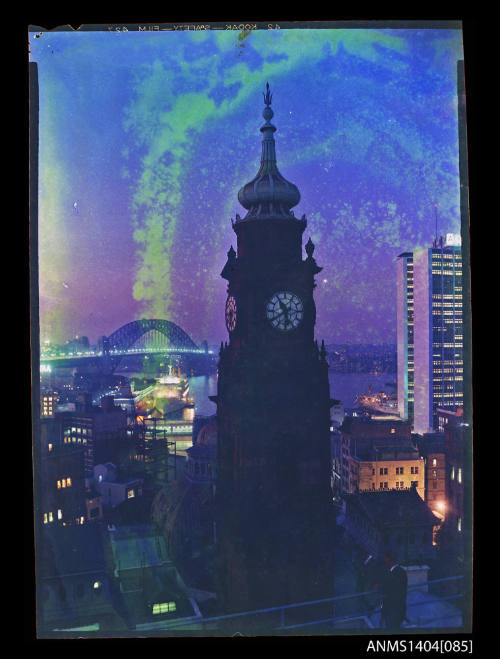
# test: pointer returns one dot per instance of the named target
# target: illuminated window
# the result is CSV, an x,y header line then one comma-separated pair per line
x,y
51,517
45,518
68,482
434,462
459,476
164,607
453,473
130,494
393,430
459,524
59,514
63,482
58,485
50,447
97,587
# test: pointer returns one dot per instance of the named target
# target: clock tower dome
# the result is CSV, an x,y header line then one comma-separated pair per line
x,y
273,499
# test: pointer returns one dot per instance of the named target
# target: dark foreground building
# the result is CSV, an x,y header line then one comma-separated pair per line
x,y
273,497
397,521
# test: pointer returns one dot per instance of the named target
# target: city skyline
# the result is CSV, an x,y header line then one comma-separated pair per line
x,y
135,141
270,438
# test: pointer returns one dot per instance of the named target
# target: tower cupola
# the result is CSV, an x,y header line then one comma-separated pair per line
x,y
269,195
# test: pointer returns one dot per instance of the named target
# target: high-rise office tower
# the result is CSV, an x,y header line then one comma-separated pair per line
x,y
430,332
405,361
273,498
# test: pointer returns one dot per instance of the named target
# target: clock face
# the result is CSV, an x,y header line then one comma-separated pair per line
x,y
230,313
285,311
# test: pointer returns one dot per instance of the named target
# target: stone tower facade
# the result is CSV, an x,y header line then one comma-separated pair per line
x,y
273,499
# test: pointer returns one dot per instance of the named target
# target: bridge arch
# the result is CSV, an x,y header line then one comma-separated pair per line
x,y
125,337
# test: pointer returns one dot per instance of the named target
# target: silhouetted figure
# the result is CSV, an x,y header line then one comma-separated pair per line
x,y
394,589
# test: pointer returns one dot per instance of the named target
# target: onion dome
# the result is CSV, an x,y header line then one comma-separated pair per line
x,y
269,194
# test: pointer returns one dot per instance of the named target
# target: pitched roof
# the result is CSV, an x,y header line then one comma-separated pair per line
x,y
394,507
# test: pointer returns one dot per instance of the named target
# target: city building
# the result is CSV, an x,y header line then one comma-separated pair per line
x,y
62,499
94,503
432,448
51,434
150,587
48,403
100,578
76,586
378,468
360,436
395,520
113,489
184,509
101,430
452,537
274,513
430,332
405,328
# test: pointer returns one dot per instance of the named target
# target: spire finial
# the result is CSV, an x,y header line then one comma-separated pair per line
x,y
268,97
267,112
309,248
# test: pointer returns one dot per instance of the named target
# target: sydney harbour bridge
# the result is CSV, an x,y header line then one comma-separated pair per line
x,y
137,338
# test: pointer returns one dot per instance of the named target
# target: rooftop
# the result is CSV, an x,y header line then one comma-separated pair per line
x,y
72,549
364,426
383,453
394,507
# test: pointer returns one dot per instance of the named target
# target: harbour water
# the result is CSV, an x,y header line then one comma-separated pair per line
x,y
343,386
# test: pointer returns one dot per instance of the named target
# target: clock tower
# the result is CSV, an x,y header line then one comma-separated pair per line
x,y
273,499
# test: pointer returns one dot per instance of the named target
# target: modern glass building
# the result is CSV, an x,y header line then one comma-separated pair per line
x,y
430,332
405,361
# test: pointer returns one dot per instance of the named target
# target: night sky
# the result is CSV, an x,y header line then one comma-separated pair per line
x,y
146,138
